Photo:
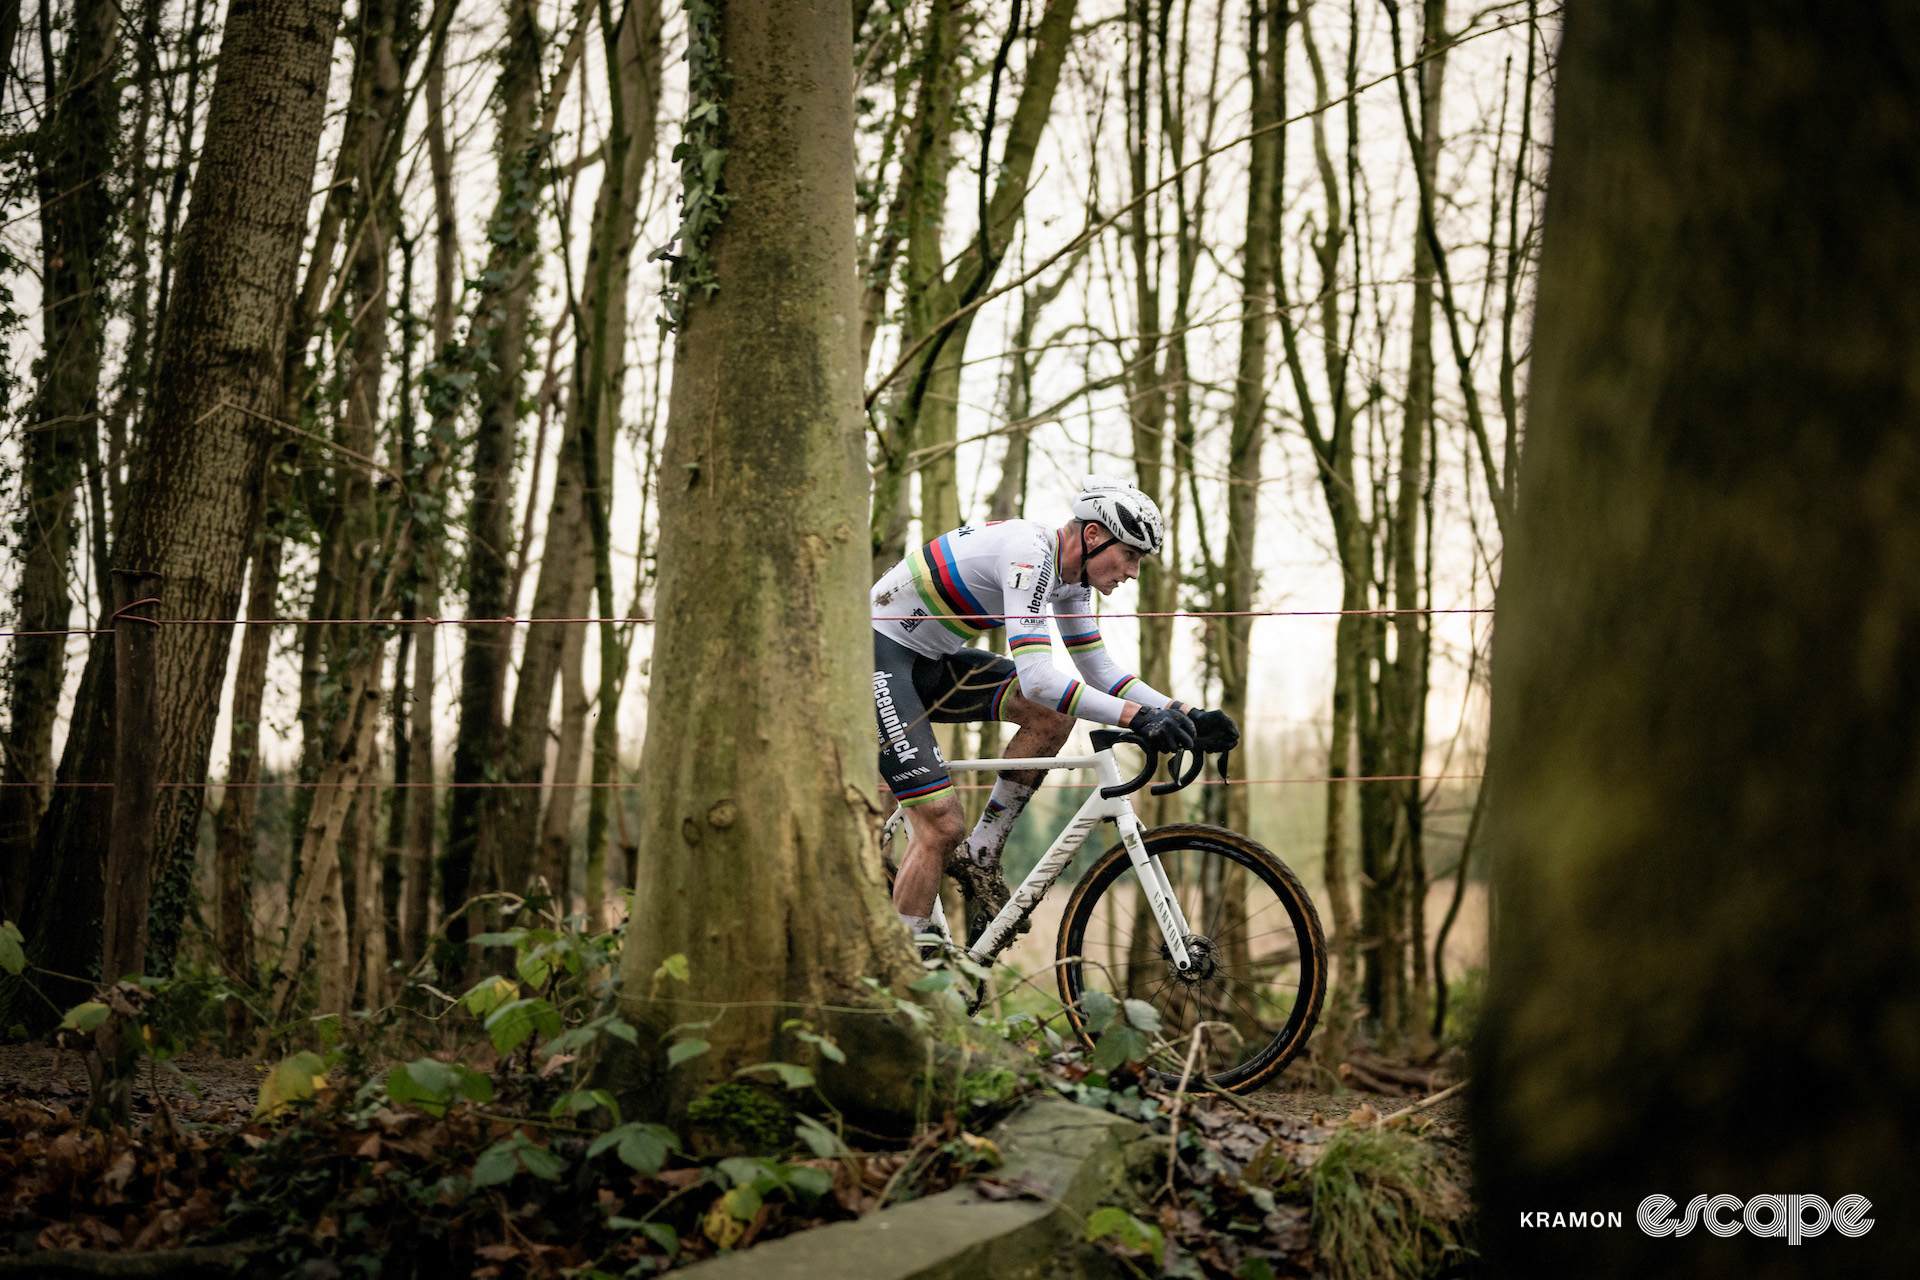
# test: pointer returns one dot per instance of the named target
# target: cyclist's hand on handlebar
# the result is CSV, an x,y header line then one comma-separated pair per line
x,y
1162,728
1214,731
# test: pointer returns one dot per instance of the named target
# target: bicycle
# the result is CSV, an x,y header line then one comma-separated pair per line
x,y
1268,986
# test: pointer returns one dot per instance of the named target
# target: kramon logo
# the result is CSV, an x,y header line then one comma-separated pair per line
x,y
1794,1217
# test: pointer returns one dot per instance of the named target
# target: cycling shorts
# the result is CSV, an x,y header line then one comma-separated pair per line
x,y
912,692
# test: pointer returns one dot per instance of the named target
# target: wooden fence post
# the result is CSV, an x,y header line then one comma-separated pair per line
x,y
129,875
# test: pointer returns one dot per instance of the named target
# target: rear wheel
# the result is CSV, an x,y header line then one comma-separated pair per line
x,y
1260,958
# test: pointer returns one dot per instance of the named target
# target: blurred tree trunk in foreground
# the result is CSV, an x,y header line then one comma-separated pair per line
x,y
757,860
1706,704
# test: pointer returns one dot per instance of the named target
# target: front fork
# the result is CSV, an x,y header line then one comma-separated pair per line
x,y
1159,890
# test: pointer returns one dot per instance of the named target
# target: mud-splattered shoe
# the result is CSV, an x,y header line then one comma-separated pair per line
x,y
985,892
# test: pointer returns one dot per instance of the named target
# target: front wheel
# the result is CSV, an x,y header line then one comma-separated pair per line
x,y
1260,960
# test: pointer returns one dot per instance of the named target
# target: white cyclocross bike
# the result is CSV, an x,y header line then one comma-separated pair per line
x,y
1209,927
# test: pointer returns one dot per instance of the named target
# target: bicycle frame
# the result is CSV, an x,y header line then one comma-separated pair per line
x,y
1152,876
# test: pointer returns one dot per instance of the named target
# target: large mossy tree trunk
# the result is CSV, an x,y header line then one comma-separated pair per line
x,y
757,853
194,498
1706,699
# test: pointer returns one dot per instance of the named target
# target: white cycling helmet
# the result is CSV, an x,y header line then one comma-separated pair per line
x,y
1128,515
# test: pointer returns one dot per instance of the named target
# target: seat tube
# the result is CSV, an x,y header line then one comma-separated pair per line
x,y
1159,890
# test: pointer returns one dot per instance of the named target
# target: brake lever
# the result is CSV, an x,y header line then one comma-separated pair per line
x,y
1179,780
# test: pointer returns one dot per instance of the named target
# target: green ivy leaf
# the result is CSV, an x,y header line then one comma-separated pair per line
x,y
791,1075
497,1164
682,1050
474,1086
1098,1008
85,1018
675,967
542,1163
511,1024
619,1028
1127,1229
1143,1015
938,980
13,955
489,994
662,1235
641,1147
1120,1044
820,1140
810,1182
742,1203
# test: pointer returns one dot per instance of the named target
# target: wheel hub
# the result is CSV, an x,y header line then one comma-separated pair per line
x,y
1204,960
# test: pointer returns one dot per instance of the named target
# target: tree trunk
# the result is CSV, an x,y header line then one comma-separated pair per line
x,y
235,838
559,591
77,215
194,497
757,853
1266,55
554,862
497,328
1706,711
1148,391
422,767
1410,628
923,434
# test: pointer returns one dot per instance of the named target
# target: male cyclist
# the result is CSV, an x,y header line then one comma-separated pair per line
x,y
962,585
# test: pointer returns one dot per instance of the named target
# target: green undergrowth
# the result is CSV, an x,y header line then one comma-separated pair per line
x,y
1385,1203
465,1133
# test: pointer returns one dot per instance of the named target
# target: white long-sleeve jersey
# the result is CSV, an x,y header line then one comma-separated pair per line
x,y
965,583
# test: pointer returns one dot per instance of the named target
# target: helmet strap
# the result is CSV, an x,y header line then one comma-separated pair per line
x,y
1086,557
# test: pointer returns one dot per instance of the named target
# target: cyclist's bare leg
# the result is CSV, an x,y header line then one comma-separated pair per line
x,y
935,830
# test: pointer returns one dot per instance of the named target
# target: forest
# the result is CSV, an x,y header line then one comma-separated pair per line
x,y
447,454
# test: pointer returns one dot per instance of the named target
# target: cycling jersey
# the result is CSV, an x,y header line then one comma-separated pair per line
x,y
965,583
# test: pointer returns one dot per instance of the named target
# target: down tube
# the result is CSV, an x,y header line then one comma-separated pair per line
x,y
1038,881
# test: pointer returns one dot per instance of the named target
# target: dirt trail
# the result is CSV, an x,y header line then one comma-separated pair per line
x,y
37,1072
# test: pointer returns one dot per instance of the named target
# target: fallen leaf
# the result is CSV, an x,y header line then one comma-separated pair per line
x,y
120,1172
722,1227
498,1252
1002,1189
370,1149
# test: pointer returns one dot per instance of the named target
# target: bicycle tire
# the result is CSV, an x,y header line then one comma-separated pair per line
x,y
1103,882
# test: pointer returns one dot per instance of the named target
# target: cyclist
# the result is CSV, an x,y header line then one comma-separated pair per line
x,y
962,585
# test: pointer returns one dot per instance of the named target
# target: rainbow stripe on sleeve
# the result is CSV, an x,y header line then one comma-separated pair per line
x,y
1121,685
936,576
1084,641
1070,700
1026,643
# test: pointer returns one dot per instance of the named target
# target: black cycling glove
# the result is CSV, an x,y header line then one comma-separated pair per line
x,y
1163,729
1214,731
